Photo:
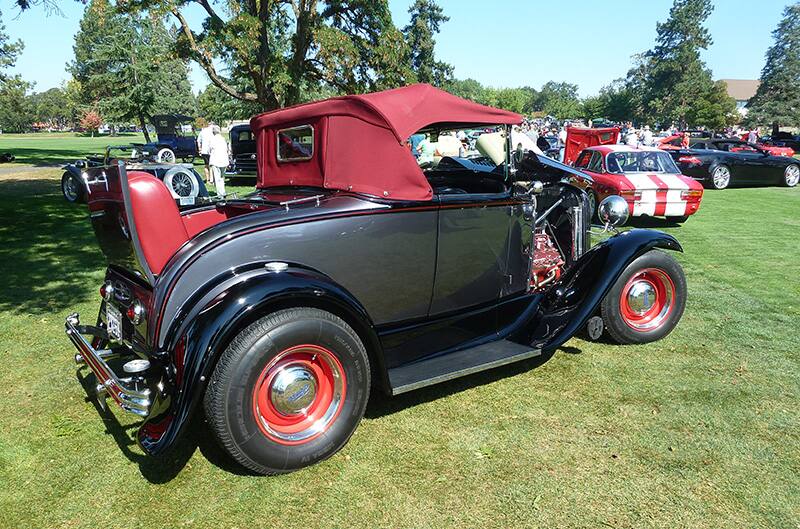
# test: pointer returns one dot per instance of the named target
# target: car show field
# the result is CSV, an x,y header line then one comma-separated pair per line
x,y
697,430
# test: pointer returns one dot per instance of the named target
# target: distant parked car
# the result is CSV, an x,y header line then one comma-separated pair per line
x,y
182,181
172,142
721,163
243,152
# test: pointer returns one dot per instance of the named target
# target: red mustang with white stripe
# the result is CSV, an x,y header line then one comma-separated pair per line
x,y
647,178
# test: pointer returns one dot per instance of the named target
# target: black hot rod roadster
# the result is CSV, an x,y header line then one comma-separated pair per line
x,y
351,268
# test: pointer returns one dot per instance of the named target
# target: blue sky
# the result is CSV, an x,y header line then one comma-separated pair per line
x,y
499,43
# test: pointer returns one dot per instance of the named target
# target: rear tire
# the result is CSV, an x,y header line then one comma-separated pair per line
x,y
791,175
720,177
72,188
289,390
647,301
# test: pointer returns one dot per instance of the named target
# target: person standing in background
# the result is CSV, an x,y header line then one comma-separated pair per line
x,y
647,136
218,159
203,145
752,137
562,141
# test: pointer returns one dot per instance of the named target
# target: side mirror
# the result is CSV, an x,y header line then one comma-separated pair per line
x,y
80,163
613,211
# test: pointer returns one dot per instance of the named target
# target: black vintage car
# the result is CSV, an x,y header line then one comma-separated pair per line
x,y
242,152
182,181
721,163
174,139
351,269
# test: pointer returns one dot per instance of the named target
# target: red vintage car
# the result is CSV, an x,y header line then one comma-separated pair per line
x,y
645,177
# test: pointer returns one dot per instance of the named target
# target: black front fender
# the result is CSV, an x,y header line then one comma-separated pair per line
x,y
197,343
566,307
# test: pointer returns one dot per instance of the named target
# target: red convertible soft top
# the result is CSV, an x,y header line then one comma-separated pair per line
x,y
358,142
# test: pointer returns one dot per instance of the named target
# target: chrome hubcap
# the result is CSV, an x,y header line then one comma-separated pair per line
x,y
641,297
293,390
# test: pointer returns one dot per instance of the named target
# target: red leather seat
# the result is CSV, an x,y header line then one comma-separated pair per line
x,y
158,221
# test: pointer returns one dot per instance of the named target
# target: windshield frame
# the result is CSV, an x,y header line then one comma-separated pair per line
x,y
655,152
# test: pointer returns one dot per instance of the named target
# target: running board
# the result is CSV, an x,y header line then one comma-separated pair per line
x,y
458,364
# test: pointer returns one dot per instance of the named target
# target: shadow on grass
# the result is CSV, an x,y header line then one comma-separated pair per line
x,y
47,157
48,250
162,468
652,222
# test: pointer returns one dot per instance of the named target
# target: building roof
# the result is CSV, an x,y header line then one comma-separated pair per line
x,y
741,89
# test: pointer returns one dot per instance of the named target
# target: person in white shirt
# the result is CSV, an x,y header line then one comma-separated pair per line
x,y
752,137
647,136
203,145
632,139
562,141
218,159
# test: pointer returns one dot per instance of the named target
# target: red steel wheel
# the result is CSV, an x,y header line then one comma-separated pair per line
x,y
289,390
299,394
647,301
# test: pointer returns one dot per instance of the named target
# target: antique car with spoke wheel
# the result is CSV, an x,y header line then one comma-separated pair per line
x,y
353,269
182,181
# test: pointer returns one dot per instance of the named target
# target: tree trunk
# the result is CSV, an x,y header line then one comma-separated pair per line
x,y
143,124
775,128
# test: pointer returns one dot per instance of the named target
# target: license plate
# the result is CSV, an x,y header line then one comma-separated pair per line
x,y
186,201
113,322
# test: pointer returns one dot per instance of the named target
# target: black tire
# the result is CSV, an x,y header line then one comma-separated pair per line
x,y
232,398
654,266
714,182
72,188
678,220
791,175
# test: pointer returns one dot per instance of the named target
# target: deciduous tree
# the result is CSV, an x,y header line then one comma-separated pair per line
x,y
777,101
91,121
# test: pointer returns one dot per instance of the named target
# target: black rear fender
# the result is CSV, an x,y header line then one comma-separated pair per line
x,y
196,339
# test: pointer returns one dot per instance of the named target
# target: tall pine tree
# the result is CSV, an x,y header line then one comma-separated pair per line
x,y
426,19
126,67
777,101
674,83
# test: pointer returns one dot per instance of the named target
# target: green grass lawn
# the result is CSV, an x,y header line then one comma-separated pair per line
x,y
701,429
58,148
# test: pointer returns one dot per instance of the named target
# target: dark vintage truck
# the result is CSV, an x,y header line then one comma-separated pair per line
x,y
352,270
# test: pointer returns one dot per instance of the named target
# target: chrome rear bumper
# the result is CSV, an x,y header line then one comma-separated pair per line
x,y
130,392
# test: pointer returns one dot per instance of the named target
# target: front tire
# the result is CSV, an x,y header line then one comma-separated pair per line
x,y
165,155
791,175
647,301
72,188
289,390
